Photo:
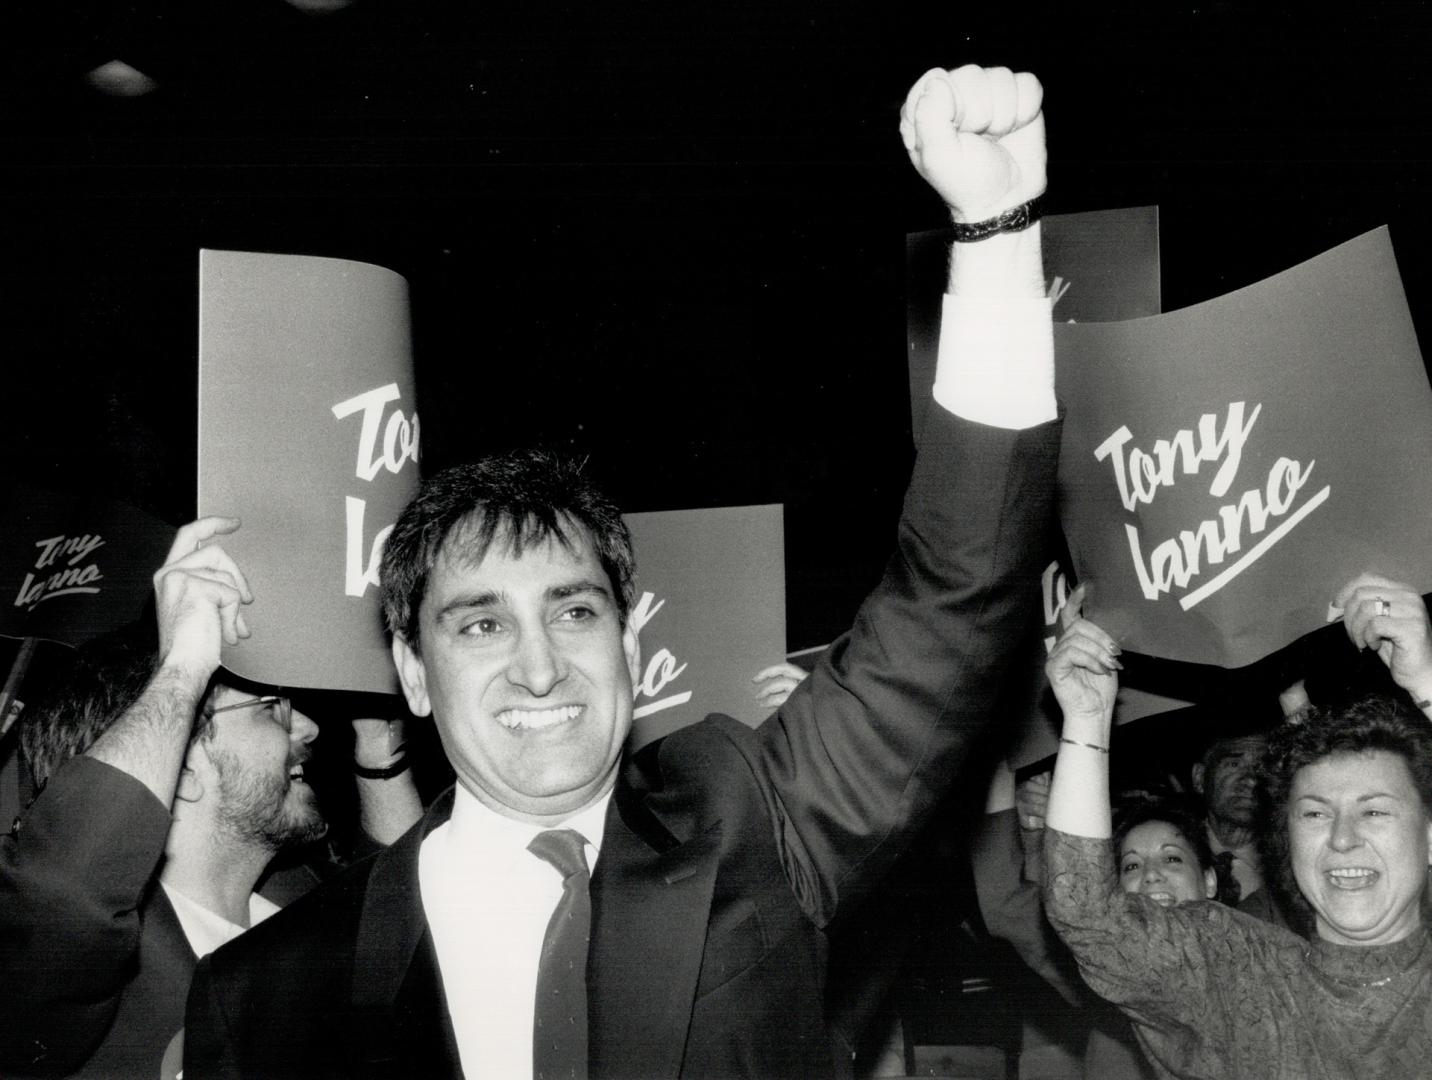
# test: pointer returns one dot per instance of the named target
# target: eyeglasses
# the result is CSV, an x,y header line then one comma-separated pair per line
x,y
281,708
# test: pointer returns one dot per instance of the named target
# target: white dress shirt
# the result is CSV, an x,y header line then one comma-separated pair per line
x,y
488,901
996,360
205,930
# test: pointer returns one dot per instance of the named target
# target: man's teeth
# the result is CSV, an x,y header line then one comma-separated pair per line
x,y
296,773
537,718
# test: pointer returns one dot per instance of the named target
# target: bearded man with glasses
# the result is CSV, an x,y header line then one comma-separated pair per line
x,y
165,793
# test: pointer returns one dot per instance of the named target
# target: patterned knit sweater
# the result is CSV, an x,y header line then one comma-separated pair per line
x,y
1215,994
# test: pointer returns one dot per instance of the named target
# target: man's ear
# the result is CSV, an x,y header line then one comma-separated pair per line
x,y
1210,884
413,675
631,646
196,765
190,788
1196,775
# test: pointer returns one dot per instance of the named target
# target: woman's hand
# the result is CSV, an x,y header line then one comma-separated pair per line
x,y
1083,666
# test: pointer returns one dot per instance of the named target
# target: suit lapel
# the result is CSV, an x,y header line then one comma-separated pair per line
x,y
402,1025
165,943
651,901
166,968
427,1044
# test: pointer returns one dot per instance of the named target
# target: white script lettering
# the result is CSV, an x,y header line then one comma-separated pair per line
x,y
1174,562
399,446
1143,474
356,576
661,669
400,435
76,547
72,579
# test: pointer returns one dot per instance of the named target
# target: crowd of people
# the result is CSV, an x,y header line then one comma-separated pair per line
x,y
1343,989
569,909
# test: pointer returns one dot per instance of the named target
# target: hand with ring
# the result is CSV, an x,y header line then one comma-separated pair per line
x,y
1391,618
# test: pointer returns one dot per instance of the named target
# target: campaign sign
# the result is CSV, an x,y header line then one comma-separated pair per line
x,y
74,567
308,433
710,611
1100,266
1227,468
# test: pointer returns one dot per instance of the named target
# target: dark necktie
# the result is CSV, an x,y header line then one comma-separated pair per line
x,y
559,1030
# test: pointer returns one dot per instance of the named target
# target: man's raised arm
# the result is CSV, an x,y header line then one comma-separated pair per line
x,y
198,592
976,135
861,752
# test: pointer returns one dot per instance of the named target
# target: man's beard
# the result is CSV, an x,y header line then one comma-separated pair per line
x,y
255,806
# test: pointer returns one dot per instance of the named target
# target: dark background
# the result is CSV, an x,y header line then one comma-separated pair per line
x,y
668,234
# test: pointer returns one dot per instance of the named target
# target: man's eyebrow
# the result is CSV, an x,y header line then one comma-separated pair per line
x,y
578,588
466,602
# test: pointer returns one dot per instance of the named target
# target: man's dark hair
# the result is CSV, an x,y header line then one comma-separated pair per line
x,y
1376,722
105,678
1184,817
527,496
1223,746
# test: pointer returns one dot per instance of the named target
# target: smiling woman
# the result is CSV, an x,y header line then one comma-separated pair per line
x,y
1163,854
1351,843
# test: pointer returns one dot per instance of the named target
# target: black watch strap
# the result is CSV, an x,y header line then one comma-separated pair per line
x,y
1015,219
387,772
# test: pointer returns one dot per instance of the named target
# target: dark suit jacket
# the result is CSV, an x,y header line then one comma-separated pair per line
x,y
94,966
727,850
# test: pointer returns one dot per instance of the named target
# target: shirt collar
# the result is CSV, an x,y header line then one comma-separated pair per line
x,y
205,930
499,839
1247,853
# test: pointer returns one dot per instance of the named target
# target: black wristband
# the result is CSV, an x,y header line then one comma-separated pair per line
x,y
387,772
1015,219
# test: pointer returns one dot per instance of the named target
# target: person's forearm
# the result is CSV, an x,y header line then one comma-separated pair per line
x,y
388,803
388,808
1079,794
996,864
1007,265
149,741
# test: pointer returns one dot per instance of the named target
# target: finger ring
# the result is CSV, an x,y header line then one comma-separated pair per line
x,y
1383,607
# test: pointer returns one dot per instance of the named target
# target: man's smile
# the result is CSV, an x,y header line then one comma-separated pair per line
x,y
532,719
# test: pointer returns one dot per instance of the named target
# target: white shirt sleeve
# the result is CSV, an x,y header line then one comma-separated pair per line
x,y
996,361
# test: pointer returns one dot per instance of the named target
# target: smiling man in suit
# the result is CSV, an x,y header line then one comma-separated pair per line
x,y
568,910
